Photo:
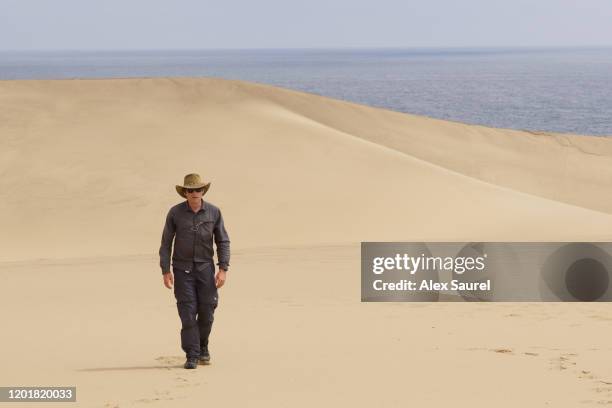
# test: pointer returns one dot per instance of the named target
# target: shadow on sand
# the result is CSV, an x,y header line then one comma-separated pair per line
x,y
130,368
169,362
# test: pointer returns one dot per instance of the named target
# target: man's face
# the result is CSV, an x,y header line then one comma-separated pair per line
x,y
194,195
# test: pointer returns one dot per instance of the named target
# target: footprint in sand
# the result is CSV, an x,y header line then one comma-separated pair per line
x,y
566,361
601,386
185,382
149,400
170,361
160,396
502,351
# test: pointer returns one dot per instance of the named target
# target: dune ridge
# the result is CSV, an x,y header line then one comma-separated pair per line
x,y
571,168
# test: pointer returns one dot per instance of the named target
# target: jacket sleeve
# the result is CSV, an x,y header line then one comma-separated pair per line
x,y
165,250
223,243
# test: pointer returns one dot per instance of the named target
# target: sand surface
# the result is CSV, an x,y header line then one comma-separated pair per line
x,y
87,174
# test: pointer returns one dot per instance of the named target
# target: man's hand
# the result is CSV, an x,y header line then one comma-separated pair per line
x,y
220,278
168,279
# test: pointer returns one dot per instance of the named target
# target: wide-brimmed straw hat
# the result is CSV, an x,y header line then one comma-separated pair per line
x,y
192,180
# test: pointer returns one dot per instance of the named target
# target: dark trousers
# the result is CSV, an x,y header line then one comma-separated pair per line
x,y
196,299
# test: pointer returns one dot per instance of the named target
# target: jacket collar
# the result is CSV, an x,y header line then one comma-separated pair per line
x,y
188,208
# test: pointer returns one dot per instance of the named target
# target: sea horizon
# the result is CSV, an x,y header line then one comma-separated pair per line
x,y
537,88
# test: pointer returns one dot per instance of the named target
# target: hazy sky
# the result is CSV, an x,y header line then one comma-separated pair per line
x,y
192,24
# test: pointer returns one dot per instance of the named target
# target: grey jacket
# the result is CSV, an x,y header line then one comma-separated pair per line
x,y
193,235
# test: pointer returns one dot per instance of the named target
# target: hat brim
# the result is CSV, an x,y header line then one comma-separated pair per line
x,y
181,189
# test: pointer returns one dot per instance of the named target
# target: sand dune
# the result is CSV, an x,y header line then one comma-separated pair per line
x,y
101,157
564,167
87,174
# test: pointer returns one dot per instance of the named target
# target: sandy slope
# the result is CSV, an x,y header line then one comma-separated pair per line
x,y
569,168
290,331
100,158
87,175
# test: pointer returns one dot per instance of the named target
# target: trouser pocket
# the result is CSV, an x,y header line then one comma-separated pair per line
x,y
205,284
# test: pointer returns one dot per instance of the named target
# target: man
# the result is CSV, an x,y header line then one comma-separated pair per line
x,y
194,224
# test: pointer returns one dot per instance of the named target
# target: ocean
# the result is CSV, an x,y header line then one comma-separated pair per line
x,y
539,89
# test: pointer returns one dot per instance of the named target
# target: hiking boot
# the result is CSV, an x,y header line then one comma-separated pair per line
x,y
192,362
204,356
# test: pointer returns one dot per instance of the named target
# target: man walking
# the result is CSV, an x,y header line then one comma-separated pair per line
x,y
194,224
